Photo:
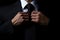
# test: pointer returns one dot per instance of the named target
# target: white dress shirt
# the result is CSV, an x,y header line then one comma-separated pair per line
x,y
24,3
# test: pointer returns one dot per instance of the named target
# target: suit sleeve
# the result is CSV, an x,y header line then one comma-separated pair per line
x,y
6,27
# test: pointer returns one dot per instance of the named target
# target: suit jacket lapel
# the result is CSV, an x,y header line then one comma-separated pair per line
x,y
20,5
37,4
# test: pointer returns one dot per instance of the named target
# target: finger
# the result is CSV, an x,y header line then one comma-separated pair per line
x,y
39,13
14,19
19,21
25,17
17,16
34,12
35,17
16,23
25,14
34,20
19,13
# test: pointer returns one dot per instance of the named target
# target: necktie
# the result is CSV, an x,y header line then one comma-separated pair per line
x,y
30,8
31,30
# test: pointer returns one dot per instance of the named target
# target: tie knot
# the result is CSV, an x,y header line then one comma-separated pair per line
x,y
30,7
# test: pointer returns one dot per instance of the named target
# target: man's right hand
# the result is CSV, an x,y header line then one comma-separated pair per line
x,y
18,19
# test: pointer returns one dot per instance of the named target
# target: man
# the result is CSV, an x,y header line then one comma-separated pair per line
x,y
12,22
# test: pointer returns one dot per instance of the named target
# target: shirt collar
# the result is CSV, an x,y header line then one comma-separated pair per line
x,y
24,3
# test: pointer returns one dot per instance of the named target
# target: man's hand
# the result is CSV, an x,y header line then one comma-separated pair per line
x,y
25,16
38,17
18,19
35,15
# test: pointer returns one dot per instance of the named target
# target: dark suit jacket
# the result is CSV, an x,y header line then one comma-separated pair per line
x,y
7,13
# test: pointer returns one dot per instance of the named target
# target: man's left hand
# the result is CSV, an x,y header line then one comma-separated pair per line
x,y
35,16
38,17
